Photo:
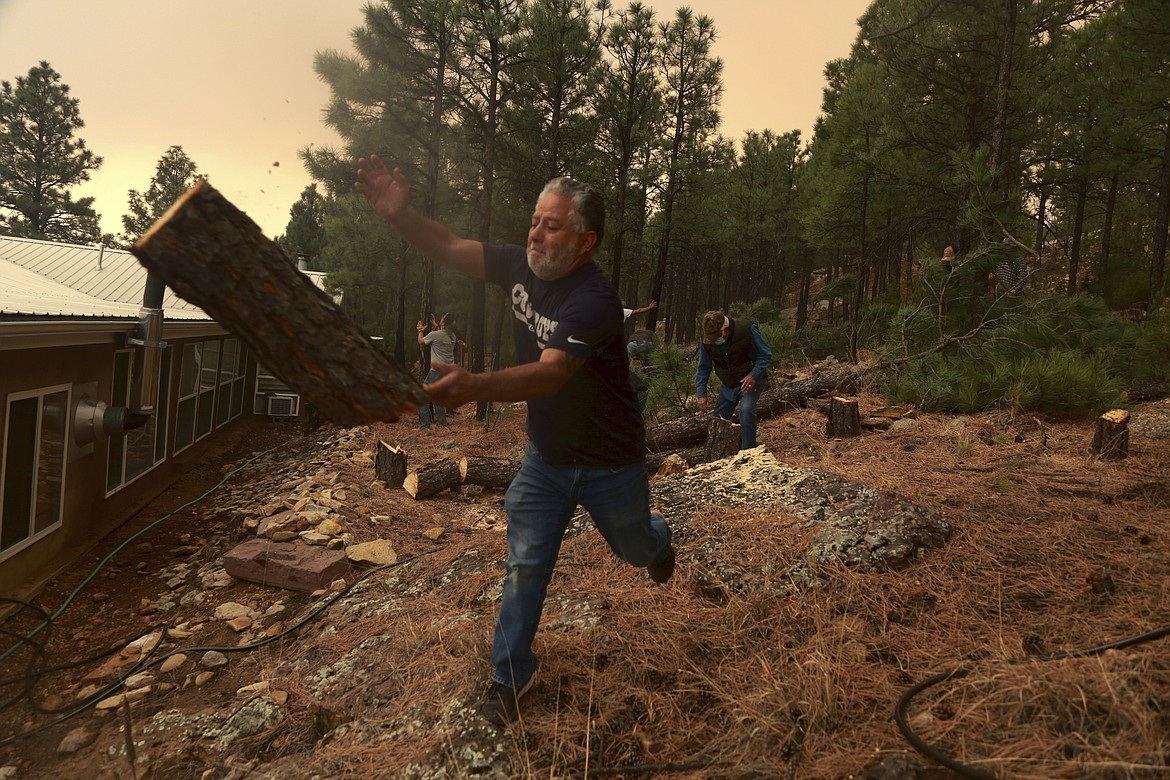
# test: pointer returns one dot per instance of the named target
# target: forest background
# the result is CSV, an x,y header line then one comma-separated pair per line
x,y
1032,136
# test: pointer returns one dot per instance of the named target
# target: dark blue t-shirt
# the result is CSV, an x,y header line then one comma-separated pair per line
x,y
594,419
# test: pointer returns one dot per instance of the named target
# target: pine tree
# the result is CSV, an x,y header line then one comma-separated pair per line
x,y
305,233
551,125
174,175
694,87
41,159
629,110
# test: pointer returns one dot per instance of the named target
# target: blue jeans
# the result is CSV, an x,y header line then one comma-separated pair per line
x,y
540,503
725,405
424,411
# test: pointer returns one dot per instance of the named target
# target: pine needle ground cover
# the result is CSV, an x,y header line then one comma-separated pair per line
x,y
1052,551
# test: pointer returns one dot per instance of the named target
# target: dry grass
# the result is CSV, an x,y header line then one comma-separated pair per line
x,y
685,682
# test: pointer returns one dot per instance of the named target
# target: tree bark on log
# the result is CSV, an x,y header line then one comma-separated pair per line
x,y
1151,392
432,479
390,464
723,439
687,431
211,254
844,418
487,472
1111,435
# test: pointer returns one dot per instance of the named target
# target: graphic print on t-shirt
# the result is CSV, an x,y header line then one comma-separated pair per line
x,y
537,323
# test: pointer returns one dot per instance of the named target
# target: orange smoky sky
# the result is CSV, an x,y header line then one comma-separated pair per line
x,y
233,82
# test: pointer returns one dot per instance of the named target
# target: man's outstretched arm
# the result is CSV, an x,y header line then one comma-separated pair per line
x,y
389,193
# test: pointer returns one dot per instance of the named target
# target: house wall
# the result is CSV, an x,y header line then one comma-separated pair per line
x,y
97,497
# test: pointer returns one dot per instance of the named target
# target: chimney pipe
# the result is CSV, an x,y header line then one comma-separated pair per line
x,y
148,335
303,262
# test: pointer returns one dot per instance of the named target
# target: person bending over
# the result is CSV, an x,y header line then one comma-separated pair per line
x,y
740,357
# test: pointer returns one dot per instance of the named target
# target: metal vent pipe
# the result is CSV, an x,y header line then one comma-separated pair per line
x,y
148,335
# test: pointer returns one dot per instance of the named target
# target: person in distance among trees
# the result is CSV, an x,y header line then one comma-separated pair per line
x,y
442,341
586,436
740,356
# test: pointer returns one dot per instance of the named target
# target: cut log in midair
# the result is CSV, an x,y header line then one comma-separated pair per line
x,y
213,255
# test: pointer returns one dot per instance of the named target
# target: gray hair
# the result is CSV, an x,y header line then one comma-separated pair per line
x,y
588,205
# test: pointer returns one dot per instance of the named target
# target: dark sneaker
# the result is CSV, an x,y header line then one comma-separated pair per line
x,y
501,706
661,572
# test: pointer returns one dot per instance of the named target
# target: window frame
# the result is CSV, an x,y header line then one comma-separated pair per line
x,y
33,535
120,395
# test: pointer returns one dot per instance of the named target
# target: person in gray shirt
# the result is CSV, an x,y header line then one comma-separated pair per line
x,y
442,342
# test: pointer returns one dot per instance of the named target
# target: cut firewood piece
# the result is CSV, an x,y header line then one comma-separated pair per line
x,y
432,479
487,472
1111,436
692,456
723,438
876,423
844,418
390,464
211,254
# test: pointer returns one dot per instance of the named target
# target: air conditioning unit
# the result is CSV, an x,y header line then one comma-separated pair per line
x,y
284,405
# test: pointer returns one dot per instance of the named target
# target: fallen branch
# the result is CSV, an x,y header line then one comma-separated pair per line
x,y
686,431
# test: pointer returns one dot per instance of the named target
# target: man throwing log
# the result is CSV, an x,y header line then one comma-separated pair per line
x,y
586,436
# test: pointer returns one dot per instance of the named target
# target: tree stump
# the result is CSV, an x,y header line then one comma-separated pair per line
x,y
1111,436
390,464
432,479
723,438
210,253
844,418
487,472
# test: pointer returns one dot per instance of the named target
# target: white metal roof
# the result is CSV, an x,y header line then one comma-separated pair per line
x,y
106,274
95,274
28,293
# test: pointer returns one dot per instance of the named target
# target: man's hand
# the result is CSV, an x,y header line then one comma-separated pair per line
x,y
703,404
420,327
747,384
434,324
455,386
387,191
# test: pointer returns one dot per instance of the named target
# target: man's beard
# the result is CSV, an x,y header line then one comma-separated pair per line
x,y
550,266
